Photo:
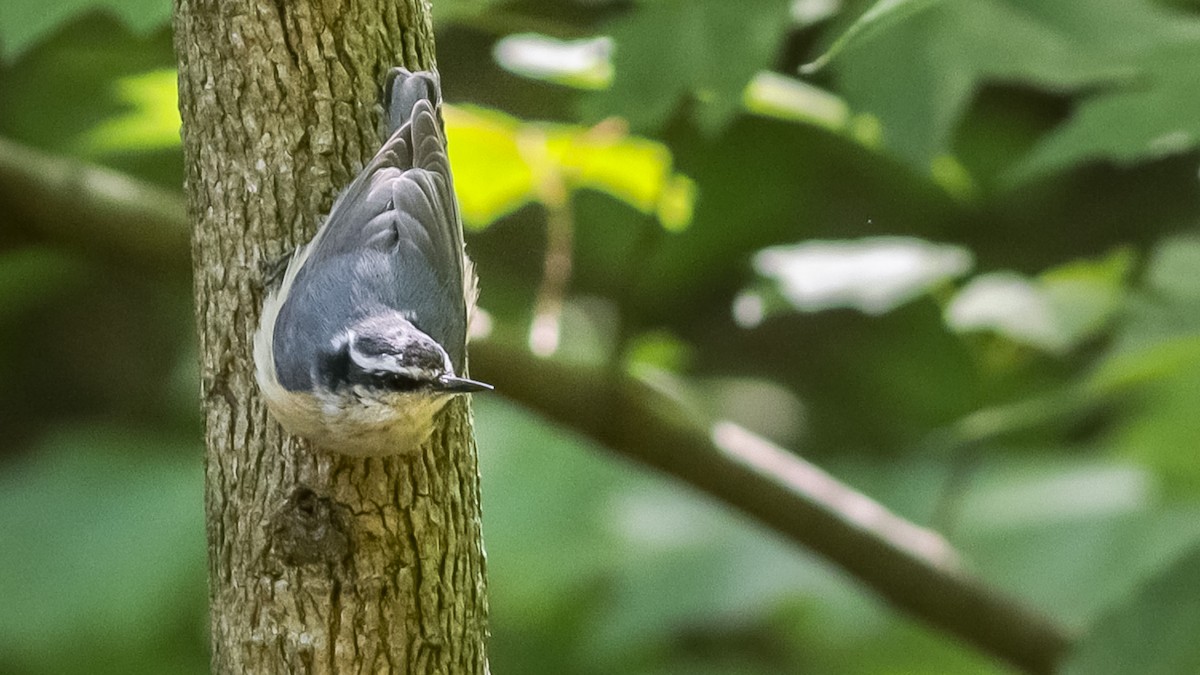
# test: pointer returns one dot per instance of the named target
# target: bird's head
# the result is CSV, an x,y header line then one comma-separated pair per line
x,y
387,353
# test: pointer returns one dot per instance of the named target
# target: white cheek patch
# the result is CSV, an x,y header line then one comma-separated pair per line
x,y
390,363
371,362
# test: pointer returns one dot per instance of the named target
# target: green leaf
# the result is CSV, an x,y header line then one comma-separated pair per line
x,y
1056,312
1157,355
879,17
920,72
103,537
585,64
704,50
24,22
35,275
152,122
74,82
501,163
1151,118
1151,633
1161,333
874,275
544,485
491,176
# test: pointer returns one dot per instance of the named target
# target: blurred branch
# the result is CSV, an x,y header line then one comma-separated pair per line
x,y
913,568
93,208
499,22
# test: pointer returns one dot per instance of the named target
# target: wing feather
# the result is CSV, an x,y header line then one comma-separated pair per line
x,y
393,238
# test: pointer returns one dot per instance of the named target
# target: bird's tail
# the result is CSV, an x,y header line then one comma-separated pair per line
x,y
404,89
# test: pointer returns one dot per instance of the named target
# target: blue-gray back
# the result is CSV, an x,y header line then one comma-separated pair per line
x,y
392,240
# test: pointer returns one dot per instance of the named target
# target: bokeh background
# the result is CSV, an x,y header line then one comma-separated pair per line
x,y
956,264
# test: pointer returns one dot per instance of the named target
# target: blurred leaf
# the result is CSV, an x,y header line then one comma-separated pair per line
x,y
1087,294
950,48
1160,429
705,50
1070,535
873,275
1144,121
103,547
69,84
879,17
23,22
542,486
1007,304
640,568
1174,272
1161,334
1151,633
1055,312
788,98
32,276
586,64
658,350
1156,356
501,163
153,121
490,175
1034,494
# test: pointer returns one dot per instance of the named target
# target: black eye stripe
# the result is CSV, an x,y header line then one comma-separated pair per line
x,y
394,381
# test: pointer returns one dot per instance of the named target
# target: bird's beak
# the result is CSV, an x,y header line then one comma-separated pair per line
x,y
461,385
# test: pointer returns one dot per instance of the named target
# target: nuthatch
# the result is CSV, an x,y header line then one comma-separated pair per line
x,y
364,342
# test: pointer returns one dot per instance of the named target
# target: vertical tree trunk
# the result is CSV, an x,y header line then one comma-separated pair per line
x,y
317,563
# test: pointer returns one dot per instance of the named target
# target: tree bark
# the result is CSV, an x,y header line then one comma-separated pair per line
x,y
317,563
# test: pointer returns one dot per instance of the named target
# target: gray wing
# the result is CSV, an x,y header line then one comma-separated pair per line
x,y
393,239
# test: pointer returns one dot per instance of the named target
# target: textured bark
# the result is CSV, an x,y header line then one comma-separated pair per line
x,y
317,563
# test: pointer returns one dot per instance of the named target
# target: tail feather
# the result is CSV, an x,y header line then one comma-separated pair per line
x,y
428,140
404,90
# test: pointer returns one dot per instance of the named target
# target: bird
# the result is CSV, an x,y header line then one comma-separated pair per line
x,y
363,342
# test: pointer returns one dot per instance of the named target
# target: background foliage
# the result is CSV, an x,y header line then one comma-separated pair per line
x,y
947,250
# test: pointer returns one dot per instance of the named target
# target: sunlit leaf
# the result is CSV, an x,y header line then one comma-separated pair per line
x,y
1010,305
873,275
501,163
491,176
153,121
632,169
1054,312
787,98
586,64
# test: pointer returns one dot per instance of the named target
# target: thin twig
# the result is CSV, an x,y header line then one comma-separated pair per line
x,y
552,192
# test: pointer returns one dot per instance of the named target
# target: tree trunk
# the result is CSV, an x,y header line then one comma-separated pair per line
x,y
317,563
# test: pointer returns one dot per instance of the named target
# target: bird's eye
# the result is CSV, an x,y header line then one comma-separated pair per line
x,y
395,381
